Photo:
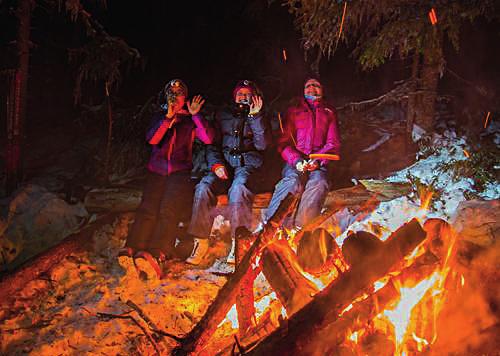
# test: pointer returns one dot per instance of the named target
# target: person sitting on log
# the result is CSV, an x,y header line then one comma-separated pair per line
x,y
308,142
241,136
168,190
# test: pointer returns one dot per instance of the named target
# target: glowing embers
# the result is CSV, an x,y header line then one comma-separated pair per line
x,y
433,17
486,119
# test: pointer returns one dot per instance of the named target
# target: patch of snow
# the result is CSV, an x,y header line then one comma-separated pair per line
x,y
392,214
385,137
417,133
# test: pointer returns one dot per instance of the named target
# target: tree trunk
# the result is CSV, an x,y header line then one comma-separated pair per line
x,y
110,133
17,101
412,97
429,79
42,263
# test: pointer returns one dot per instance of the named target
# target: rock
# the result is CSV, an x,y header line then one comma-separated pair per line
x,y
478,221
38,219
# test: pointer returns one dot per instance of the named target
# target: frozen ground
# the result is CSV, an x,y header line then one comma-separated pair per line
x,y
59,313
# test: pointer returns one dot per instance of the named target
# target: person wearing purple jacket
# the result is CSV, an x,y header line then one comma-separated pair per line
x,y
168,191
310,128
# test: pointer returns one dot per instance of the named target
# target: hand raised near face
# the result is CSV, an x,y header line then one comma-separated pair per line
x,y
195,105
255,105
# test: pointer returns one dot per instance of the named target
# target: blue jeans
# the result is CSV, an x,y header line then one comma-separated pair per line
x,y
240,199
311,186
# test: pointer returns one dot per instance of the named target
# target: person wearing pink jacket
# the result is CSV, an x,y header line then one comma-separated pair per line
x,y
168,191
310,128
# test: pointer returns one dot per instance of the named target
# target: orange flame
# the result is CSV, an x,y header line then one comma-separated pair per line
x,y
284,54
425,199
400,316
466,153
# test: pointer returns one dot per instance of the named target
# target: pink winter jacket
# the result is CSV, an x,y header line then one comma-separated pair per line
x,y
310,127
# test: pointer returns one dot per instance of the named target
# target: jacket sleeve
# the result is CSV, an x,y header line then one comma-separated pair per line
x,y
260,131
158,128
203,131
332,144
214,150
286,143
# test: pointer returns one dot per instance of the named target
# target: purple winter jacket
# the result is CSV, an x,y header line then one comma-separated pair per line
x,y
173,144
310,127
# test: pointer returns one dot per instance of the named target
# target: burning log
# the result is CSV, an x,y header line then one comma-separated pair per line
x,y
281,268
201,333
318,252
245,300
302,328
358,244
354,319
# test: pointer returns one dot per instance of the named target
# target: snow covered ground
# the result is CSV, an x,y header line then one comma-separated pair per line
x,y
59,313
429,171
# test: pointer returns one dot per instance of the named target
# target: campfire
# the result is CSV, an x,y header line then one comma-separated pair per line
x,y
371,292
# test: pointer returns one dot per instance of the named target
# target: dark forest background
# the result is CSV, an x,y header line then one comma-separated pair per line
x,y
211,45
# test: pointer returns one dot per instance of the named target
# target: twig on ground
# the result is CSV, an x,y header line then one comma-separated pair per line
x,y
40,324
151,323
108,316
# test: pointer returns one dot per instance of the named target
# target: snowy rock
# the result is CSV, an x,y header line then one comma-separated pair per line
x,y
38,219
478,221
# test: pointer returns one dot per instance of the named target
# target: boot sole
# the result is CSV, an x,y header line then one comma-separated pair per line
x,y
146,269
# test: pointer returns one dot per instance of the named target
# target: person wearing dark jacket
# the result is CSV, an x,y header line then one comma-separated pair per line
x,y
310,128
241,136
168,190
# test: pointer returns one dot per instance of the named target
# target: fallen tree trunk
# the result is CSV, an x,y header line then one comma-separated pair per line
x,y
113,199
42,263
302,328
127,198
198,337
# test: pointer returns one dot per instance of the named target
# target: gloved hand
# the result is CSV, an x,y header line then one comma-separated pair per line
x,y
307,165
221,172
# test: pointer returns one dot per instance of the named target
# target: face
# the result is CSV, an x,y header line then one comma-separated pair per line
x,y
177,98
243,95
313,88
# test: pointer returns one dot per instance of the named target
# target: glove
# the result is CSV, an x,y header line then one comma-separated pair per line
x,y
221,172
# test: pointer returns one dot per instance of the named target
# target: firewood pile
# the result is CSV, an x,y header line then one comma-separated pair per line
x,y
362,278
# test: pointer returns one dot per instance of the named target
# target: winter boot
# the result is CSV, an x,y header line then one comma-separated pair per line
x,y
231,258
149,267
200,250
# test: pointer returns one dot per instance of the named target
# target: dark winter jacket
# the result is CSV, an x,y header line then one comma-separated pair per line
x,y
310,127
239,140
173,143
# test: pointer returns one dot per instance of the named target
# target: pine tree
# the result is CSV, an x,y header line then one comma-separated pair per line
x,y
101,59
381,29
